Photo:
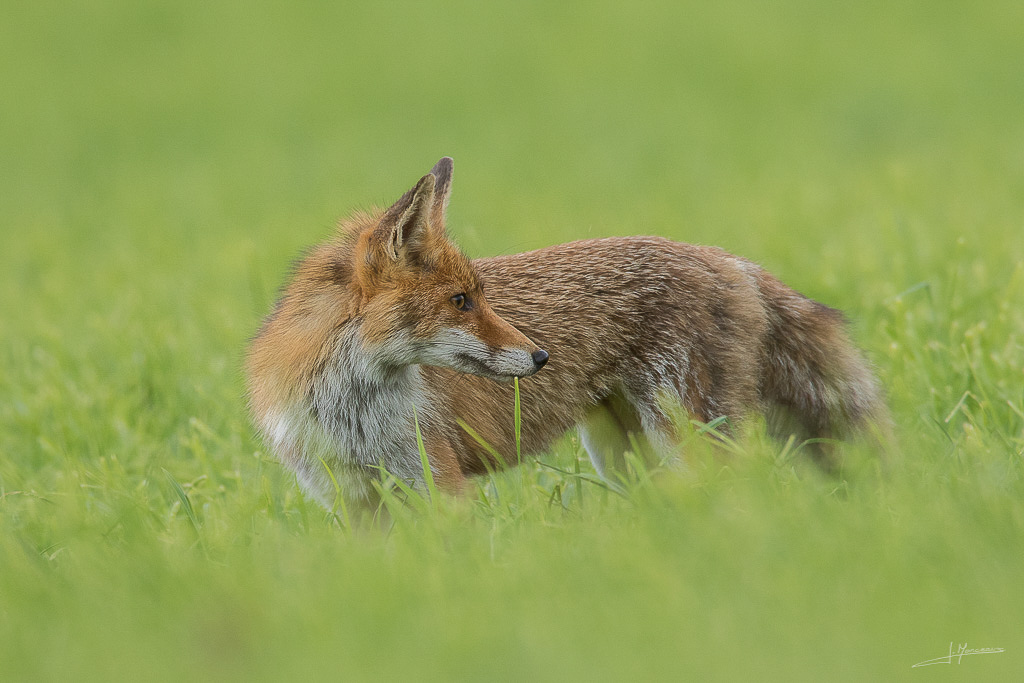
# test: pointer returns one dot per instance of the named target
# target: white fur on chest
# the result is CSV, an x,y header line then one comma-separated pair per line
x,y
358,416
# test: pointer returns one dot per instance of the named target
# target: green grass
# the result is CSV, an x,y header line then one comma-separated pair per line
x,y
162,164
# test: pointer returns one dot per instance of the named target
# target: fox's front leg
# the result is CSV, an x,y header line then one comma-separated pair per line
x,y
444,464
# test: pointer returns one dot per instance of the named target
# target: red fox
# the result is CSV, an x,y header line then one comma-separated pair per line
x,y
388,326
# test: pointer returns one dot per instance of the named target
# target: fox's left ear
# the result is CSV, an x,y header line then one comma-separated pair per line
x,y
442,173
405,224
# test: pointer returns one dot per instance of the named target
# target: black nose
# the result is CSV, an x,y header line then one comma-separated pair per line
x,y
540,357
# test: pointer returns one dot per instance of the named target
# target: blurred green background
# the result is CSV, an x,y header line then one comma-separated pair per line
x,y
161,164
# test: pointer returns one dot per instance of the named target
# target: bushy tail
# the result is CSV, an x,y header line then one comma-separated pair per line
x,y
815,382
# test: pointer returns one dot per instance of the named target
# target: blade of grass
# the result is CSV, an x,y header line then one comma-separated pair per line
x,y
491,450
389,483
586,476
183,497
428,475
518,424
190,512
339,497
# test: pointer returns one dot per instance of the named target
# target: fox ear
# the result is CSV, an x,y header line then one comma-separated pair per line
x,y
442,171
405,223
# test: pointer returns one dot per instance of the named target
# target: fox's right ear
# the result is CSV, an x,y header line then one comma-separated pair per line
x,y
442,171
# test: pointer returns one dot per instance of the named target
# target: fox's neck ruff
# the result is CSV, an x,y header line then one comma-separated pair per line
x,y
365,405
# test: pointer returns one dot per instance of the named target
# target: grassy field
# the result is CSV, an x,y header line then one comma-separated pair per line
x,y
161,164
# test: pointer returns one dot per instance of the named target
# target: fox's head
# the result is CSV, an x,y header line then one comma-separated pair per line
x,y
390,290
419,300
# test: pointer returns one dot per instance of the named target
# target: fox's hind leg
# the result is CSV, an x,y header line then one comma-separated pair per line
x,y
606,439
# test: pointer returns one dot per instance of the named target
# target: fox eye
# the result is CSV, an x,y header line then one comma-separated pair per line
x,y
459,301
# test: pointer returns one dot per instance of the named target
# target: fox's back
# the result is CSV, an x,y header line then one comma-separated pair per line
x,y
617,315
